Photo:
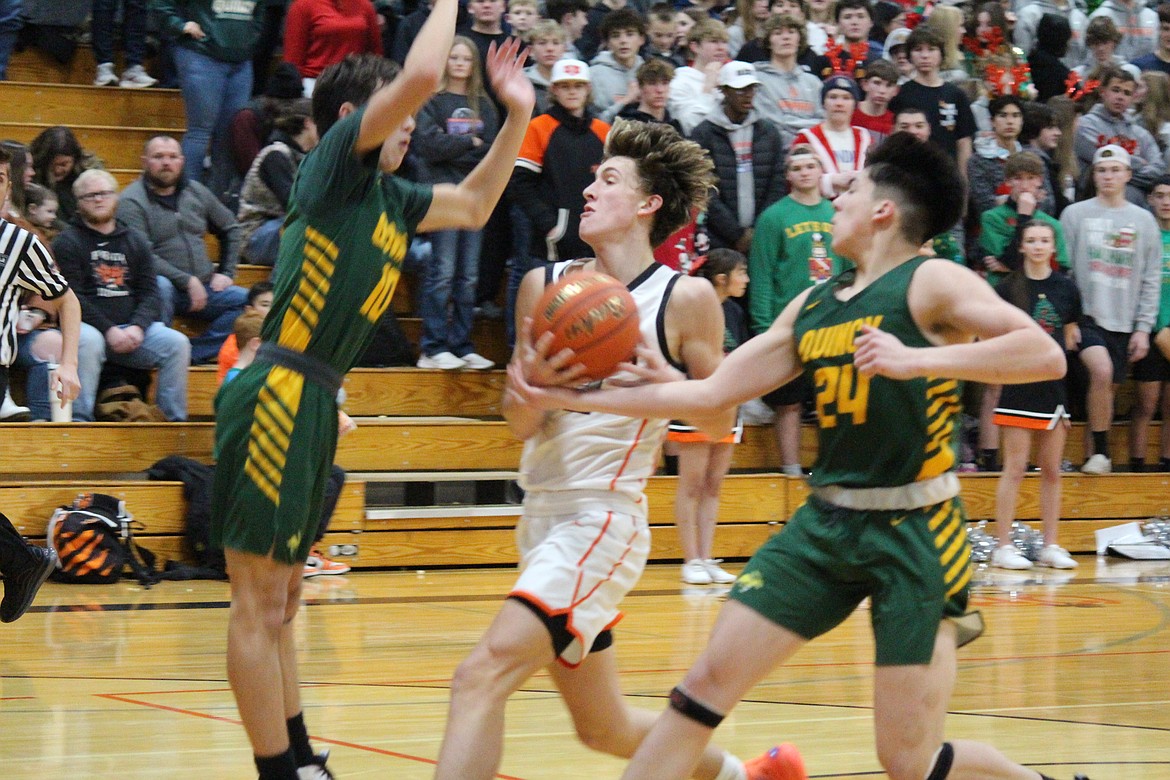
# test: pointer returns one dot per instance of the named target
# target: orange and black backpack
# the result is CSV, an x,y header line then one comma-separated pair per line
x,y
94,542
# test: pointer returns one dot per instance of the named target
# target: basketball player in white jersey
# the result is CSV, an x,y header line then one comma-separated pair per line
x,y
584,537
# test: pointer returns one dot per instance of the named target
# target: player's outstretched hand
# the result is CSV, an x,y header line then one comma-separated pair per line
x,y
505,69
544,398
650,367
882,354
539,367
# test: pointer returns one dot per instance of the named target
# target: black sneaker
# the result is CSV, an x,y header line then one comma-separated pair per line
x,y
20,587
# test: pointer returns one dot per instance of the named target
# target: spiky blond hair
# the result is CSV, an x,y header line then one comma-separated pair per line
x,y
677,170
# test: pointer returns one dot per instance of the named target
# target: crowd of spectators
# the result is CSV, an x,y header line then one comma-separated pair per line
x,y
1024,95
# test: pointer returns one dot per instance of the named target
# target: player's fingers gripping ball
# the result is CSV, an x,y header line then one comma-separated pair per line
x,y
592,314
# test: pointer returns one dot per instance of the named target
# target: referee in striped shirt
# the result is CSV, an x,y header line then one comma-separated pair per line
x,y
26,266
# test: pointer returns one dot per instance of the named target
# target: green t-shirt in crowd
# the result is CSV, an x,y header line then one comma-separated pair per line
x,y
791,251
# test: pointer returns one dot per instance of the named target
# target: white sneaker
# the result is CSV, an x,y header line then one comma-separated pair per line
x,y
1008,557
317,769
10,411
1056,557
756,412
444,360
695,573
474,360
105,75
135,77
716,572
1098,464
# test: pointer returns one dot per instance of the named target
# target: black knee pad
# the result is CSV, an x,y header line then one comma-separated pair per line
x,y
942,762
696,711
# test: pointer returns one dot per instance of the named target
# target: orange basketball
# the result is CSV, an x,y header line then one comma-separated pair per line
x,y
592,314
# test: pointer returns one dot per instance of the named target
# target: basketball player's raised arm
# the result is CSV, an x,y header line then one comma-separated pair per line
x,y
761,364
402,98
467,205
951,306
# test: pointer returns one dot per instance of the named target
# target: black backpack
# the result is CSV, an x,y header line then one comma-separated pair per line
x,y
94,542
197,479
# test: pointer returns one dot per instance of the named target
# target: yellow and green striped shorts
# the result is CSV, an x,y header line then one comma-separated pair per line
x,y
275,438
915,565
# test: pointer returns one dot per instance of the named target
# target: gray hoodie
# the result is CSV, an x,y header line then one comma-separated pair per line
x,y
1137,24
1099,127
790,99
540,85
610,81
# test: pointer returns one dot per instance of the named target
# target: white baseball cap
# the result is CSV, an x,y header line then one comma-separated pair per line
x,y
1112,153
737,75
569,70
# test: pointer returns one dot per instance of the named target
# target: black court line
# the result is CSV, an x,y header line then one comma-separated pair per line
x,y
345,600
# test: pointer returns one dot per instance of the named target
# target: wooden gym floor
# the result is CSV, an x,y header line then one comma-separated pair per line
x,y
120,682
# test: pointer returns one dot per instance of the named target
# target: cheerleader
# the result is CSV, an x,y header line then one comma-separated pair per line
x,y
1037,407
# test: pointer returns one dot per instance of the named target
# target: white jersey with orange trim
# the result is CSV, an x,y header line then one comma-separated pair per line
x,y
576,451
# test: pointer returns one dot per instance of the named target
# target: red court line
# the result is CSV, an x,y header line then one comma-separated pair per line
x,y
16,698
336,742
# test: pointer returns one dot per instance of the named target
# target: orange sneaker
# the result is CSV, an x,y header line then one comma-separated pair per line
x,y
317,564
782,762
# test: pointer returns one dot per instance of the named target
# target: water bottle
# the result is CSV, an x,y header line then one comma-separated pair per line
x,y
58,412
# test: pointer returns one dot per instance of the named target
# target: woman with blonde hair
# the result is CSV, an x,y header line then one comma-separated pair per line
x,y
947,23
455,129
823,13
748,26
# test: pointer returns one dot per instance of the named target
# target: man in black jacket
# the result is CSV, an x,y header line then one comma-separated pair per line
x,y
749,159
109,266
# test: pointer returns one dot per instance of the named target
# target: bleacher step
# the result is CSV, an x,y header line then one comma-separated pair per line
x,y
416,513
432,476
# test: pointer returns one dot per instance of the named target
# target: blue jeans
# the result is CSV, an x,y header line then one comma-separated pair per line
x,y
264,244
10,24
519,264
36,385
213,92
221,311
133,30
449,280
167,350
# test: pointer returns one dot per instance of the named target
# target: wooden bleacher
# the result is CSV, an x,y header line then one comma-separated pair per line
x,y
33,65
400,392
64,104
46,464
402,443
117,147
112,123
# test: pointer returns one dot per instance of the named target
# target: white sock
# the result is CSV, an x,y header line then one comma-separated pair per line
x,y
792,470
732,768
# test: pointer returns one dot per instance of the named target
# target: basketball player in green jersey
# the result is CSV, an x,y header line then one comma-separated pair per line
x,y
885,344
341,252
